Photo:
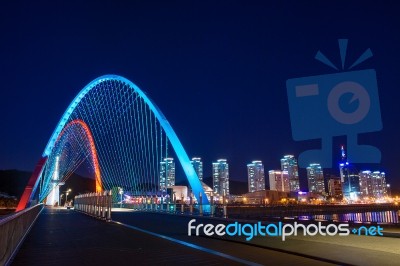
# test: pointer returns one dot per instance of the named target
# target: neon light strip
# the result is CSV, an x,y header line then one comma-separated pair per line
x,y
93,150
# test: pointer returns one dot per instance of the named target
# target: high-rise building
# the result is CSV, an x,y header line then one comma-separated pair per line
x,y
350,179
335,188
379,186
279,180
198,167
256,176
366,184
167,174
289,164
315,177
221,177
373,184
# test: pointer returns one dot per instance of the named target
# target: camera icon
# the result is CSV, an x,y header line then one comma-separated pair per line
x,y
326,106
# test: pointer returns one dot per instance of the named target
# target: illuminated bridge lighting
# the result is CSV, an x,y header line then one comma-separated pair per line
x,y
120,135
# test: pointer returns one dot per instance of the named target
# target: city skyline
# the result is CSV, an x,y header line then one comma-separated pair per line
x,y
354,184
220,81
199,132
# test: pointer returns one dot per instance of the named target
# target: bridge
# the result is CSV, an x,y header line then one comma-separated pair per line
x,y
116,133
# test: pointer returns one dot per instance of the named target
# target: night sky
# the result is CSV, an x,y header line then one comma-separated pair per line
x,y
217,70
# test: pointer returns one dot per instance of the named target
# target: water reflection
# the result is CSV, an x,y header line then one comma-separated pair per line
x,y
386,217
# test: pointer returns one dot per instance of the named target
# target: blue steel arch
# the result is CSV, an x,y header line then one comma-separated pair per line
x,y
183,158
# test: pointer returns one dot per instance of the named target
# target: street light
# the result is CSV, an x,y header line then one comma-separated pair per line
x,y
120,191
61,196
66,196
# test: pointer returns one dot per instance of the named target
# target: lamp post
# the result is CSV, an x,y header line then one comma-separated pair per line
x,y
66,196
61,196
121,192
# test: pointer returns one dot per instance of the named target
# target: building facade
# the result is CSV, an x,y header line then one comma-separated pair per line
x,y
167,174
221,177
315,178
335,188
279,180
373,184
350,179
366,183
256,176
198,167
289,164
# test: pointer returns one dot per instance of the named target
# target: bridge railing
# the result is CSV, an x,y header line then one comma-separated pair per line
x,y
13,230
95,204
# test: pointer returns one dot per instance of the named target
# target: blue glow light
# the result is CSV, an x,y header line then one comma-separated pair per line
x,y
170,133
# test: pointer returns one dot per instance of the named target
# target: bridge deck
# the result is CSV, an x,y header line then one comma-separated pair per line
x,y
65,237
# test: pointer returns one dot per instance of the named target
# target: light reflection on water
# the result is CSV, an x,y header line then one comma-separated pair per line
x,y
385,217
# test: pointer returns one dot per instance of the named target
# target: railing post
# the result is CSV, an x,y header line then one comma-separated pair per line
x,y
224,206
135,203
109,205
200,204
212,205
75,203
95,204
98,205
87,203
174,203
84,201
182,205
103,205
191,205
92,204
